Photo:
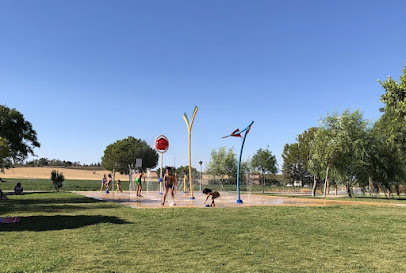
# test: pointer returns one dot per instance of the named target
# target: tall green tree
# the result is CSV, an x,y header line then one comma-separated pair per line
x,y
265,162
18,135
344,145
393,120
386,163
296,157
121,156
223,164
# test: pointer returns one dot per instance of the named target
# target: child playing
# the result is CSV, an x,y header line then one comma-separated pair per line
x,y
213,194
119,186
169,182
138,178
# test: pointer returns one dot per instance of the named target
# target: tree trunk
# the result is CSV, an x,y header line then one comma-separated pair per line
x,y
263,178
314,186
336,187
348,189
325,182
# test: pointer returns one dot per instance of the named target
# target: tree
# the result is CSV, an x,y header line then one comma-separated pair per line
x,y
341,143
394,111
386,162
296,158
18,135
121,156
57,179
4,151
223,164
264,161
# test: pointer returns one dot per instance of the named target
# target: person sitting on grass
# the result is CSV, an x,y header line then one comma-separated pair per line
x,y
18,189
213,194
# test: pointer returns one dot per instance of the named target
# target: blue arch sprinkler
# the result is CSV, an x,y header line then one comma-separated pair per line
x,y
237,133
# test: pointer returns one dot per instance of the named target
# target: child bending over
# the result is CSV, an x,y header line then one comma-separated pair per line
x,y
213,194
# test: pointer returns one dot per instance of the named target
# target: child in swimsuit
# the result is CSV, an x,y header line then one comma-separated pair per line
x,y
213,194
168,184
119,186
138,183
108,183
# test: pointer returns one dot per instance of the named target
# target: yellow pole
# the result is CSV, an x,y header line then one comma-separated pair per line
x,y
190,165
189,127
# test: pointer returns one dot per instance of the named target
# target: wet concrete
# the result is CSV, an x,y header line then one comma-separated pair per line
x,y
226,199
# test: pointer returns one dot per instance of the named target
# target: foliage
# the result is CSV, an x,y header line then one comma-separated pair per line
x,y
57,179
53,163
223,164
4,153
180,171
296,158
341,143
394,112
18,134
123,153
264,161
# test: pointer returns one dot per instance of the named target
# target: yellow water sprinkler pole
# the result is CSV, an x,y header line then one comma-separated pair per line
x,y
189,128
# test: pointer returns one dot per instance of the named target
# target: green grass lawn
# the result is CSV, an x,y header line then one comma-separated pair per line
x,y
64,232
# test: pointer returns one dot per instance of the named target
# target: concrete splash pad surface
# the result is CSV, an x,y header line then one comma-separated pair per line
x,y
154,200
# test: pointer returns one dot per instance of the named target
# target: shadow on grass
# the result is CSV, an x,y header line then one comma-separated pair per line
x,y
59,222
380,198
17,204
53,201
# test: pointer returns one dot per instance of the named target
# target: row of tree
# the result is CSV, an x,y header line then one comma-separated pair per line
x,y
223,165
346,149
44,162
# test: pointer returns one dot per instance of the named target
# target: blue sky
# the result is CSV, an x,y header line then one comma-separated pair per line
x,y
88,73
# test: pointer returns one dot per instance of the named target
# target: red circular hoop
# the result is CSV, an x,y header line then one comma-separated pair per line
x,y
161,143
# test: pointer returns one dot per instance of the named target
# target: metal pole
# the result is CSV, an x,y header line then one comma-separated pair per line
x,y
200,162
161,178
190,166
239,201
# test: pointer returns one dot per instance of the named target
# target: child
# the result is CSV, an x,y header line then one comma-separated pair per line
x,y
169,182
104,181
138,178
213,194
119,186
108,183
18,189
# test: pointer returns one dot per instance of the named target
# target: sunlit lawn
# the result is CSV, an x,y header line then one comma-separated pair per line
x,y
64,232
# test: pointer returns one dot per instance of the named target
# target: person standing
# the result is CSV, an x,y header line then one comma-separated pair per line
x,y
138,178
168,184
109,181
104,181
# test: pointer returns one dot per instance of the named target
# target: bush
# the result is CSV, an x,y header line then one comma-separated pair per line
x,y
57,178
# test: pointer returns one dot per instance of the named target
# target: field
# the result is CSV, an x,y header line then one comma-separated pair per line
x,y
69,173
64,232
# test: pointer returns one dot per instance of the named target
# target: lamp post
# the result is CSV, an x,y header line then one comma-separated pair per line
x,y
200,163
